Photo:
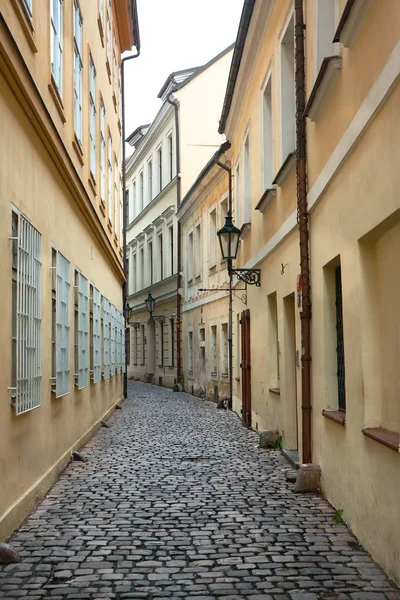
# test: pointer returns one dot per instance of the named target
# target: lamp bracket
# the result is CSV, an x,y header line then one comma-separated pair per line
x,y
135,324
159,319
249,276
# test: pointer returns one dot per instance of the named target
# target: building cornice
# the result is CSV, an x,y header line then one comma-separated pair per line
x,y
22,84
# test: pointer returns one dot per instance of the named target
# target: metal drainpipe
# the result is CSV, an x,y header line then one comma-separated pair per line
x,y
175,104
303,221
125,216
230,311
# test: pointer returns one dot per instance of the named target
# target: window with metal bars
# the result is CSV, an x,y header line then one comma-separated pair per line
x,y
112,339
81,373
95,359
61,325
341,376
26,376
105,311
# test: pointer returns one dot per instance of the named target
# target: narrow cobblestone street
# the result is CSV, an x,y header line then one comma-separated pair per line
x,y
177,501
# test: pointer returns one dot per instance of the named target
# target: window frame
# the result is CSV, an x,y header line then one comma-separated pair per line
x,y
56,44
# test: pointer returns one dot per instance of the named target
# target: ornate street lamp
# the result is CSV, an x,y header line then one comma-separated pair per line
x,y
229,237
150,304
128,312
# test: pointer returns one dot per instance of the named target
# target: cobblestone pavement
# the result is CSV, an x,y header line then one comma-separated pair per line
x,y
177,501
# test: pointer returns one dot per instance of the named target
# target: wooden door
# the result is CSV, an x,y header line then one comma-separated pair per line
x,y
245,366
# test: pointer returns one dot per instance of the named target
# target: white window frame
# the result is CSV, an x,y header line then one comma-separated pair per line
x,y
213,254
325,19
170,156
150,178
160,167
28,7
110,179
190,256
101,14
26,250
96,340
105,309
224,350
102,152
190,352
287,90
108,33
115,70
78,72
115,195
135,211
246,179
238,212
198,249
213,350
267,131
82,291
56,43
92,100
141,191
63,326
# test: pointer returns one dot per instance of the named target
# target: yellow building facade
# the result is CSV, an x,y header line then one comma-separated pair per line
x,y
61,235
352,66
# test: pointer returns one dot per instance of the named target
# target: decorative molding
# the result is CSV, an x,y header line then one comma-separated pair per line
x,y
211,297
326,77
266,199
285,169
350,23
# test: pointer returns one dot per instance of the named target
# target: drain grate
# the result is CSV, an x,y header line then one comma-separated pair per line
x,y
196,459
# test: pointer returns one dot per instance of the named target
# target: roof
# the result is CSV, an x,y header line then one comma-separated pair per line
x,y
178,79
205,170
135,25
137,135
236,60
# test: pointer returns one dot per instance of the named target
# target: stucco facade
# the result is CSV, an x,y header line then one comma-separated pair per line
x,y
154,193
352,95
60,253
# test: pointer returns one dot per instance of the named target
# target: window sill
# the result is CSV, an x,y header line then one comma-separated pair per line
x,y
101,30
116,240
198,278
108,70
115,102
92,183
55,94
190,282
120,126
388,438
276,391
214,375
351,21
266,199
109,224
103,208
26,24
285,169
78,149
212,269
339,416
326,77
244,230
224,376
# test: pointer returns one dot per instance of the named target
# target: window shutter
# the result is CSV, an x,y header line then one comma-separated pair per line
x,y
28,339
96,336
83,332
106,338
63,326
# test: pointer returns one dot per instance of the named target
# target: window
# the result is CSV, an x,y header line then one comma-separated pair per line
x,y
115,71
101,13
105,345
238,219
92,98
171,342
127,205
197,251
161,344
96,335
141,255
135,346
26,376
202,344
224,350
143,344
110,176
134,274
170,157
61,367
190,257
108,34
28,6
115,195
326,18
78,67
112,340
161,256
134,205
268,162
56,36
247,177
160,168
81,331
171,250
121,214
141,191
102,153
341,376
190,353
150,249
288,109
213,238
150,179
213,351
273,341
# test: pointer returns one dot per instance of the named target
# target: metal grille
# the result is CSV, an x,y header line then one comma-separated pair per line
x,y
119,355
124,341
112,339
83,332
63,326
106,337
27,393
341,379
96,336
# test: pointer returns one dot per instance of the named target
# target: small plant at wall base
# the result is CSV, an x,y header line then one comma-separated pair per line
x,y
338,516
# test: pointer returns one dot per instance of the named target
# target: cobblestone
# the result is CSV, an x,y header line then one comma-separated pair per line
x,y
177,501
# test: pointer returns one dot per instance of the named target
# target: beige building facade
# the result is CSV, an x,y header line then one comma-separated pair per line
x,y
159,173
352,65
61,235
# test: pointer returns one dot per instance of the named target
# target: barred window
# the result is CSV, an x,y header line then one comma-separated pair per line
x,y
105,311
26,376
96,341
61,329
112,339
81,331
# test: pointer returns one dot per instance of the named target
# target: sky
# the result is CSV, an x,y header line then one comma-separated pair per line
x,y
175,35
